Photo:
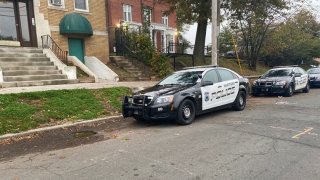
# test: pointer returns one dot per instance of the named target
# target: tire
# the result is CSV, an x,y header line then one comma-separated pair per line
x,y
289,91
307,88
240,102
186,112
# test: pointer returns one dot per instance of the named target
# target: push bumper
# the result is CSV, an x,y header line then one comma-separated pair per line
x,y
149,112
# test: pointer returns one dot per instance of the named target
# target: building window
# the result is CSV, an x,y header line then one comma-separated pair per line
x,y
58,3
127,13
147,15
165,20
81,5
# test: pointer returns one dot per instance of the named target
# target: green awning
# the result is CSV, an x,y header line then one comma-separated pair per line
x,y
74,23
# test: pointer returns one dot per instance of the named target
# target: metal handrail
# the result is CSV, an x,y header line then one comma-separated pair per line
x,y
49,43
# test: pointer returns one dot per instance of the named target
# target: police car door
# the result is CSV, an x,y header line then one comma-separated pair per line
x,y
209,93
230,85
300,79
304,78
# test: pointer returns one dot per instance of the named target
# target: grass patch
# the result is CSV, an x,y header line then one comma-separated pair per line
x,y
25,111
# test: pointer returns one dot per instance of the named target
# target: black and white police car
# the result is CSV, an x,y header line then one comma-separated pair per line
x,y
282,80
187,93
314,77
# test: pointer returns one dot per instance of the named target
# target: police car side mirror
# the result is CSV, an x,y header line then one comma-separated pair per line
x,y
207,83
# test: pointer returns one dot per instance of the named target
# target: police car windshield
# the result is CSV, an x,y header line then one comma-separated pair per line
x,y
314,71
278,73
182,78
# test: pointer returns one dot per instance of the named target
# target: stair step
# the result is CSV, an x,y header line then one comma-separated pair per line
x,y
24,59
144,78
30,72
20,50
129,79
10,64
38,83
34,77
13,54
28,68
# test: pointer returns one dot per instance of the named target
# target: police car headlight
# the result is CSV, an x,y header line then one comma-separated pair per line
x,y
280,83
130,100
164,100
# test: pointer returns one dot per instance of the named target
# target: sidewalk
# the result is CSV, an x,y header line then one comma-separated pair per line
x,y
102,84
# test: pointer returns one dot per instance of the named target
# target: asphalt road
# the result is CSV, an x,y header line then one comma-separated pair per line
x,y
274,138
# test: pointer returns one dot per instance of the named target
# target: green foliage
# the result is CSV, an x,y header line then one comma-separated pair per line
x,y
21,112
293,41
225,41
142,49
161,64
140,46
253,18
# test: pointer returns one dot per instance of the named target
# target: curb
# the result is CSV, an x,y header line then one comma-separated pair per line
x,y
63,126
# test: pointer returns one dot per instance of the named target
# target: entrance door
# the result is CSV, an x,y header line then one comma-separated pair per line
x,y
76,48
17,22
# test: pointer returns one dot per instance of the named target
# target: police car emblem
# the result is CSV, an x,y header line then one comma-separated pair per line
x,y
206,96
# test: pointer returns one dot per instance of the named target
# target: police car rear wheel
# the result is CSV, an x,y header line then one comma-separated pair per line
x,y
240,102
307,88
186,112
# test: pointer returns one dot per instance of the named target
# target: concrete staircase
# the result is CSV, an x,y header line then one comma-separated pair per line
x,y
29,67
135,73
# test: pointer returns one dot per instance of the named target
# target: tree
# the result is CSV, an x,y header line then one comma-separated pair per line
x,y
293,41
254,18
193,11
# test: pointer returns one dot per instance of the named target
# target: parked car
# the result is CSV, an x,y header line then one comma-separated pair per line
x,y
314,77
283,80
187,93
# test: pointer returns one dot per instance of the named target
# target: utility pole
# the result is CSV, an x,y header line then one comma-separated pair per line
x,y
215,31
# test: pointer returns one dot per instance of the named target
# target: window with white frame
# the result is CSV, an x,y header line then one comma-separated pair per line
x,y
127,13
147,15
81,5
165,20
58,3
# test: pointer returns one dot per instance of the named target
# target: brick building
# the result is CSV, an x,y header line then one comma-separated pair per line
x,y
133,13
83,22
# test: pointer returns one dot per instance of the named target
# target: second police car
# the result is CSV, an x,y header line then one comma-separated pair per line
x,y
187,93
314,77
283,80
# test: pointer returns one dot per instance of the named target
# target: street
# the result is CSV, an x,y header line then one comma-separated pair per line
x,y
273,138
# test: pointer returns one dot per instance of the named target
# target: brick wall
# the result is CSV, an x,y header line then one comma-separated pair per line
x,y
96,45
115,11
115,14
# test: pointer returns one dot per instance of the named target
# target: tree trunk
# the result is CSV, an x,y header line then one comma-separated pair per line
x,y
199,46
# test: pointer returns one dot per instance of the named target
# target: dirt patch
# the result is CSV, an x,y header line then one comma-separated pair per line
x,y
60,138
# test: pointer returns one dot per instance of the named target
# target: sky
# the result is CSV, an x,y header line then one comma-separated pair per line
x,y
190,33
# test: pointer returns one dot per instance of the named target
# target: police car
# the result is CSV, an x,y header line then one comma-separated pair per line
x,y
283,80
314,77
187,93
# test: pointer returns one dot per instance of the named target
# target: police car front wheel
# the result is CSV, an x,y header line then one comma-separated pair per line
x,y
186,112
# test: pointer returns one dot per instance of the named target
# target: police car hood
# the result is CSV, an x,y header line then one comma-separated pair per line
x,y
280,78
162,90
